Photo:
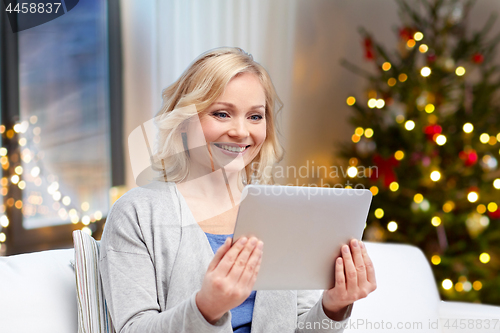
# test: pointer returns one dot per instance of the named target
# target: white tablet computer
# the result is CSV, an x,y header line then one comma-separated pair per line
x,y
303,229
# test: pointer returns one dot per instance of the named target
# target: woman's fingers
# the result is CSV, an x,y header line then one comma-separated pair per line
x,y
229,257
350,269
252,267
219,254
339,274
370,270
359,262
242,259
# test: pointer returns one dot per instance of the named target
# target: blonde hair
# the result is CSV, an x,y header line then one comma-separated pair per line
x,y
201,84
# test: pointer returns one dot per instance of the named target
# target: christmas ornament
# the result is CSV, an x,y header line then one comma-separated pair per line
x,y
385,169
431,131
469,156
477,58
495,214
369,51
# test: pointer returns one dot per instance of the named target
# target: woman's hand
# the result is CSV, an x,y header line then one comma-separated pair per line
x,y
354,279
230,277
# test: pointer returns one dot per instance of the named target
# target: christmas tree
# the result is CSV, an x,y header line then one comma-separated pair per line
x,y
426,143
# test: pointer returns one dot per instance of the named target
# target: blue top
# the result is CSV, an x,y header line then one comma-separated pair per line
x,y
241,316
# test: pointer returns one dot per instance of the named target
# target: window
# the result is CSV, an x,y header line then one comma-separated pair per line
x,y
69,124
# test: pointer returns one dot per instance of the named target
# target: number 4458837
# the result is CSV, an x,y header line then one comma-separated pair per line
x,y
41,8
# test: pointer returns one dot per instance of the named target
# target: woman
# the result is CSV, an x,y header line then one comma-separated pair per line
x,y
167,262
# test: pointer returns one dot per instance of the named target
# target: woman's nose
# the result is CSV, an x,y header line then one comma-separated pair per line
x,y
239,128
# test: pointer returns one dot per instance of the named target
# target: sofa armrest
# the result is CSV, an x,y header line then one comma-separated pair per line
x,y
468,317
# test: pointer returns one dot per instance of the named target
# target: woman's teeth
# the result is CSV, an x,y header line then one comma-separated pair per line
x,y
232,149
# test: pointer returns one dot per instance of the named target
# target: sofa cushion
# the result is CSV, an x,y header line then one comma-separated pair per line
x,y
406,299
37,293
93,314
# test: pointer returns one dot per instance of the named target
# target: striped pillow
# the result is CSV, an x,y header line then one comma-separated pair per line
x,y
93,314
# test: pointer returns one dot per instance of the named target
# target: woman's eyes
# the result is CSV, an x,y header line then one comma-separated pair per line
x,y
256,117
225,115
219,114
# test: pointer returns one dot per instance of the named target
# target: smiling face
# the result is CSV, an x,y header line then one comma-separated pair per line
x,y
234,126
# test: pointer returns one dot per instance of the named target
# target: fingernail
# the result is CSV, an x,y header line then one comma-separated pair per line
x,y
243,240
253,241
355,243
361,244
345,248
339,261
260,246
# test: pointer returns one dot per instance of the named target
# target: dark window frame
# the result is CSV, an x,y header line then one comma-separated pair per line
x,y
20,240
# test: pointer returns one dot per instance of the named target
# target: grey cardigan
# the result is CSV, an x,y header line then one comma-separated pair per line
x,y
152,262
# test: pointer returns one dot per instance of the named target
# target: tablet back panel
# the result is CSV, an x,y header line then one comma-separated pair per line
x,y
303,229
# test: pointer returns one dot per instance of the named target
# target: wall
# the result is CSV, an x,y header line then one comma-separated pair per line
x,y
315,116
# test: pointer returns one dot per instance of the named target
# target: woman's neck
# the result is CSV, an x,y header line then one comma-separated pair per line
x,y
212,186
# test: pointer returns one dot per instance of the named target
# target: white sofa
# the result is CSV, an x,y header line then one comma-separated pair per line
x,y
37,294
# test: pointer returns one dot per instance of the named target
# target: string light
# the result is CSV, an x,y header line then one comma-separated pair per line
x,y
359,131
418,198
386,66
355,138
351,100
394,186
3,237
392,226
87,230
484,258
448,206
440,139
374,190
409,125
435,176
436,221
423,48
411,43
372,103
477,285
399,155
402,77
436,260
391,82
14,179
447,284
468,128
429,108
492,141
496,183
460,71
425,71
380,103
418,36
4,221
379,213
472,196
484,138
352,171
368,132
492,207
481,209
467,286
